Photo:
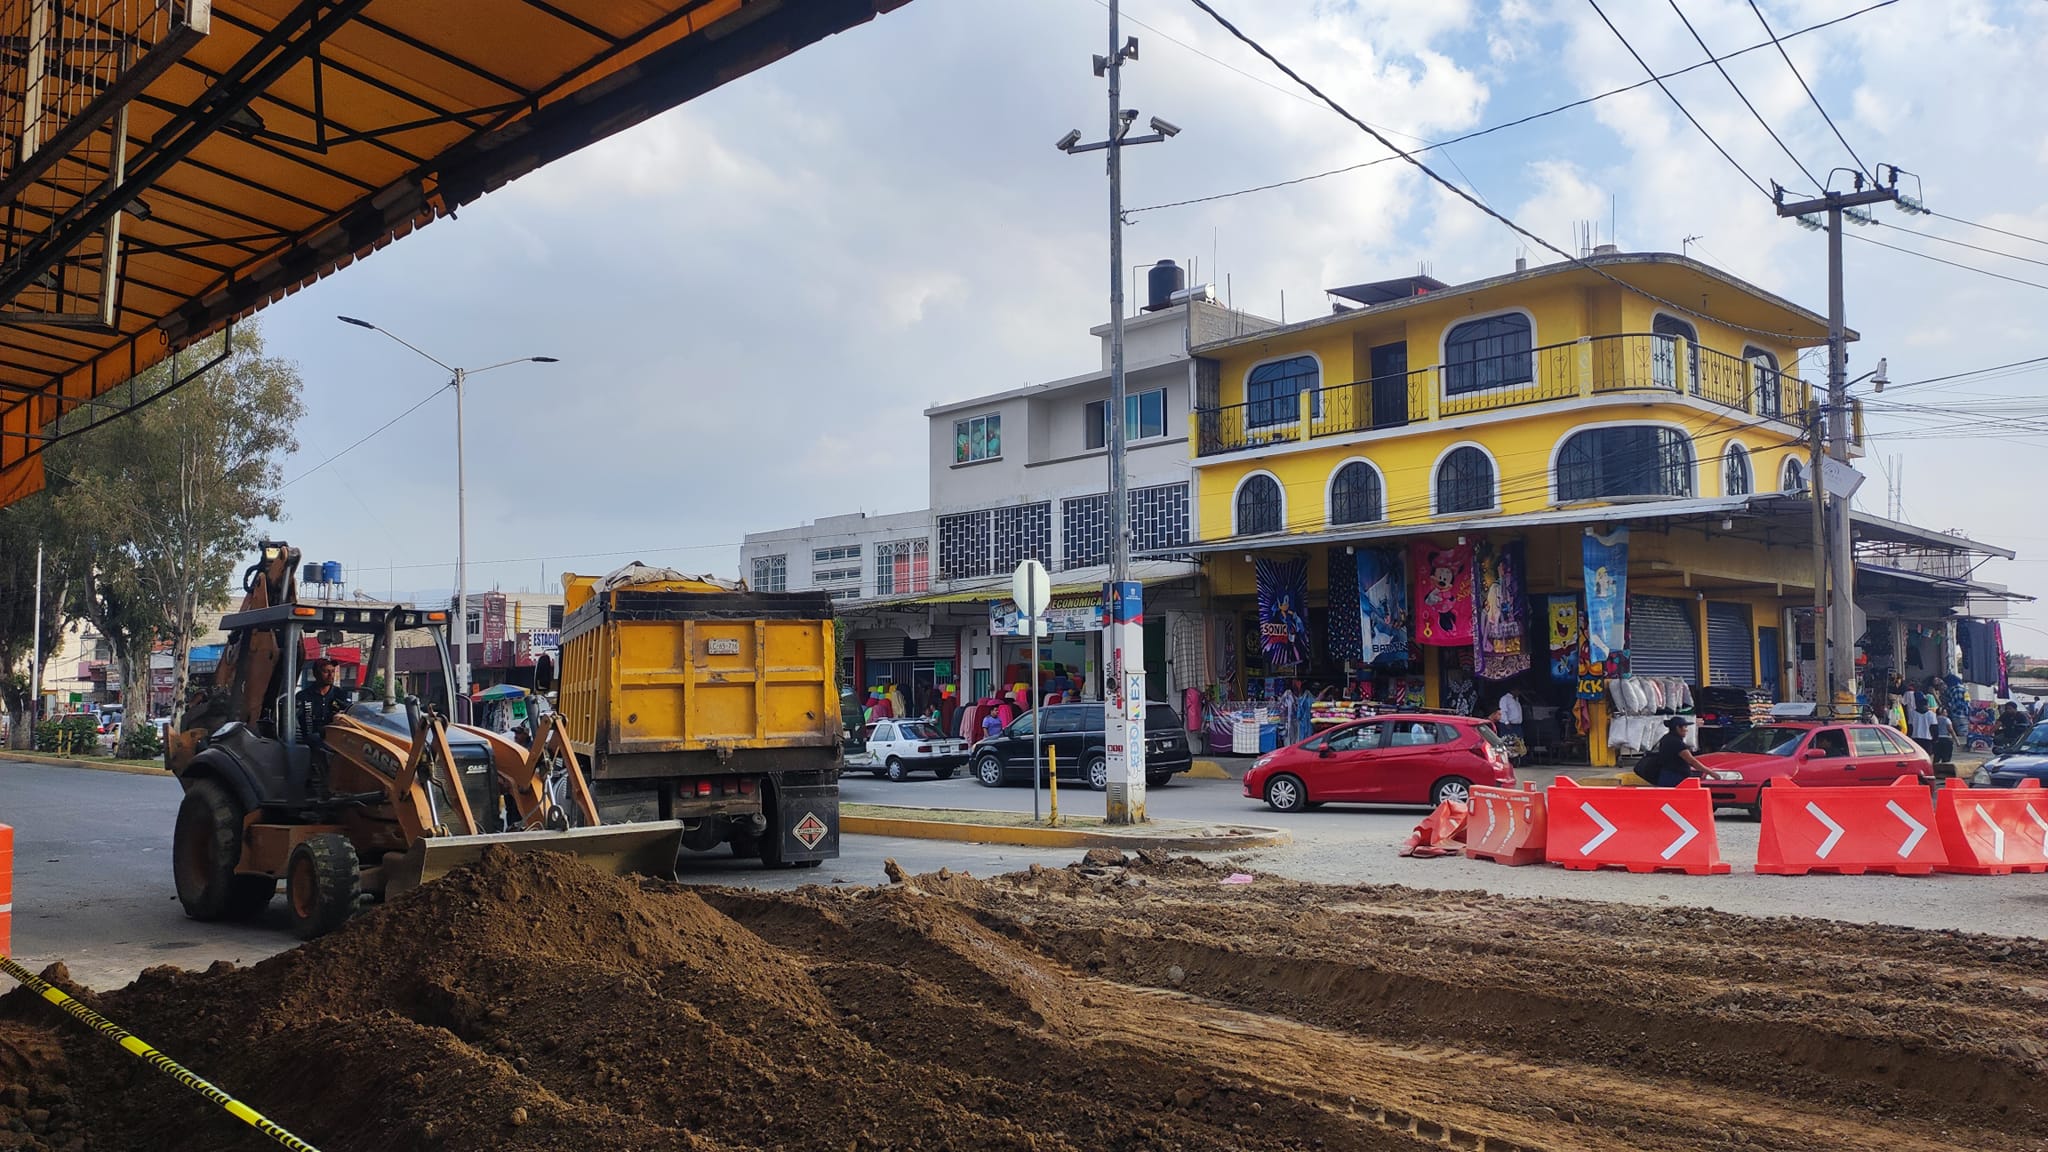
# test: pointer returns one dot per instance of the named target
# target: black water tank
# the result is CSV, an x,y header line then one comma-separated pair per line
x,y
1161,282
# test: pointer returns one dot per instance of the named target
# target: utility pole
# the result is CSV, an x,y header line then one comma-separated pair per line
x,y
1841,574
35,671
1123,677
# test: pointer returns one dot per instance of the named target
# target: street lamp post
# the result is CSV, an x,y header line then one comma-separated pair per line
x,y
456,378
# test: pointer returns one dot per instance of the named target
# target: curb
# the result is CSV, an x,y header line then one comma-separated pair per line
x,y
1207,770
1251,837
137,768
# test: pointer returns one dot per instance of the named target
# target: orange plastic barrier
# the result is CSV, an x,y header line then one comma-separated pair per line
x,y
1507,825
6,890
1993,831
1848,831
1640,829
1440,832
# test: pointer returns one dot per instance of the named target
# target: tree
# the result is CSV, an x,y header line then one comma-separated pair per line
x,y
160,506
23,527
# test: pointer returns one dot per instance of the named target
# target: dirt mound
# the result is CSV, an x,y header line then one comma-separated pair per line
x,y
529,1003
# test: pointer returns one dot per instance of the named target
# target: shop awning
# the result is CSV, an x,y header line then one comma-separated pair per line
x,y
1868,573
1876,528
1148,573
220,154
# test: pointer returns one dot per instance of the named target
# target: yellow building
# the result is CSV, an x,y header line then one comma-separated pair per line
x,y
1640,390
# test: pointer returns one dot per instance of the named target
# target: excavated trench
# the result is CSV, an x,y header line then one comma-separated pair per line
x,y
530,1003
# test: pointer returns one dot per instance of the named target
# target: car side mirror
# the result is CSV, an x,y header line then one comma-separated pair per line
x,y
1325,752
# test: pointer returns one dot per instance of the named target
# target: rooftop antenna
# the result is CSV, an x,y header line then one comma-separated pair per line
x,y
1685,245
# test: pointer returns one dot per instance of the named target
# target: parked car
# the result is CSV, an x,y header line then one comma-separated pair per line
x,y
1392,759
1075,739
896,748
1809,753
2027,761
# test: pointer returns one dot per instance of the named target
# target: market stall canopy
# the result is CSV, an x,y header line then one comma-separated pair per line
x,y
173,165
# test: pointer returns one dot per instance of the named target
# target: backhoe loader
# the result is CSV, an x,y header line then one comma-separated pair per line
x,y
382,797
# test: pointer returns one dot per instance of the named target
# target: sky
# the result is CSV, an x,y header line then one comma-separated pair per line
x,y
754,297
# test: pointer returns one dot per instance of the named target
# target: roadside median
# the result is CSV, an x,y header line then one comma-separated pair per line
x,y
96,763
980,827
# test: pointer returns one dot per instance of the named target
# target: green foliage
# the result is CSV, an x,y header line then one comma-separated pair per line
x,y
74,735
144,743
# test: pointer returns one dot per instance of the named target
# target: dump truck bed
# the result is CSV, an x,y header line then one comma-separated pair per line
x,y
685,677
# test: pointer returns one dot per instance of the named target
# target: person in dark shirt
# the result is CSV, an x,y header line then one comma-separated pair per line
x,y
320,701
1670,761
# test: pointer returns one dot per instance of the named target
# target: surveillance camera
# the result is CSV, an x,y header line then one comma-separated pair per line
x,y
1131,48
1164,128
1069,140
1129,114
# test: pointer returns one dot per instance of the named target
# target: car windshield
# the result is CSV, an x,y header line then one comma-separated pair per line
x,y
2036,740
1162,718
918,730
1767,741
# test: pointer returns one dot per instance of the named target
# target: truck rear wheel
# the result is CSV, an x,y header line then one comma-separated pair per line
x,y
322,882
206,844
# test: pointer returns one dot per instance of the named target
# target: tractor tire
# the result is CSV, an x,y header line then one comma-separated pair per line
x,y
206,844
322,882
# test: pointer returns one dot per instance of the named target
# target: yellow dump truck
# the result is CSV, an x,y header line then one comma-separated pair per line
x,y
723,700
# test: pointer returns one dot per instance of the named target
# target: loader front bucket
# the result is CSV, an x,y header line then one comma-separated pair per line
x,y
645,849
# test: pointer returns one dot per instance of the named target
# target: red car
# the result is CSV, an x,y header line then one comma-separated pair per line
x,y
1810,753
1394,759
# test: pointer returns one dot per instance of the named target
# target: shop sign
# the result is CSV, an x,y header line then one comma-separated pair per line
x,y
1003,619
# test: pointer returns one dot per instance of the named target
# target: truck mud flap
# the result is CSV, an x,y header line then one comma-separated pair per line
x,y
808,821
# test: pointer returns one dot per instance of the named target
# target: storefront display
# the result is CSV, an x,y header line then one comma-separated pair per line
x,y
1383,606
1501,625
1283,612
1346,628
1561,614
1443,594
1606,573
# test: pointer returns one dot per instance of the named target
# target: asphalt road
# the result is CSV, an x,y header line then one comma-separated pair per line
x,y
93,882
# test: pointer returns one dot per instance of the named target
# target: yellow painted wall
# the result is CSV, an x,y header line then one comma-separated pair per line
x,y
1522,449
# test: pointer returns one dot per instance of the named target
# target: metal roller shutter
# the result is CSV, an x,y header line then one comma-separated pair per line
x,y
1661,638
1731,645
884,648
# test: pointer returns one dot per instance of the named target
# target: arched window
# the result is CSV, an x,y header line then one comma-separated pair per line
x,y
1493,352
1258,506
1464,482
1355,494
1735,474
1769,396
1794,477
1624,460
1664,352
1270,391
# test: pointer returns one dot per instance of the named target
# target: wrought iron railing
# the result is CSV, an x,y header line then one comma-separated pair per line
x,y
1599,365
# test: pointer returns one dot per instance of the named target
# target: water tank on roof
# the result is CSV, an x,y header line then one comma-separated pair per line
x,y
1161,282
330,572
310,574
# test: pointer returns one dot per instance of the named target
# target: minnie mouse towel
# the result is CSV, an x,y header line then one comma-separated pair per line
x,y
1442,580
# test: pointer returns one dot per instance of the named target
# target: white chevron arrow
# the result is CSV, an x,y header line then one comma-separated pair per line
x,y
1511,820
1913,837
1606,829
1684,837
1997,833
1834,830
2042,825
1489,819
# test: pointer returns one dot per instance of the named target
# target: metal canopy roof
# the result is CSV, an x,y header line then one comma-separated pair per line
x,y
230,153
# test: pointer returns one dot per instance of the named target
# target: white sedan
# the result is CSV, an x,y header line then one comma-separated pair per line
x,y
896,748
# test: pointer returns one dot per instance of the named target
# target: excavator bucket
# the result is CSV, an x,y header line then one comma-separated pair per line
x,y
645,849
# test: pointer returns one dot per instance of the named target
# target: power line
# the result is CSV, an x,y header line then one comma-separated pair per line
x,y
1950,263
1739,94
1971,372
359,443
1515,123
1989,228
1676,102
1960,244
1860,166
1467,197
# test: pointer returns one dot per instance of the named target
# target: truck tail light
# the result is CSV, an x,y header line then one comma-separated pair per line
x,y
746,785
703,787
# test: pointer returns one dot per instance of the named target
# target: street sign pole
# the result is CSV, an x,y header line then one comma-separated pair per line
x,y
1031,588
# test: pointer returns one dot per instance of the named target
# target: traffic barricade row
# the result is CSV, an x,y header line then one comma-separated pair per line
x,y
1902,828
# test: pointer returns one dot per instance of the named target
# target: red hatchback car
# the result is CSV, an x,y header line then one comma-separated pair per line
x,y
1810,753
1394,759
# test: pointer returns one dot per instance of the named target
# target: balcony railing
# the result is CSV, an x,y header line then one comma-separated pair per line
x,y
1595,366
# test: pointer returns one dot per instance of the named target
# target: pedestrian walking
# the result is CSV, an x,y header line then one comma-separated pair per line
x,y
1944,750
1920,721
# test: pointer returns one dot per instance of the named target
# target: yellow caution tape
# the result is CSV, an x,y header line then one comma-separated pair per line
x,y
163,1063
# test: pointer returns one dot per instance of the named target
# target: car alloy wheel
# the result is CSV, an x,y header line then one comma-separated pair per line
x,y
895,770
1285,794
1455,788
1098,774
989,771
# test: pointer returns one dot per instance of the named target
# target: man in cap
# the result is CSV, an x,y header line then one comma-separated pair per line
x,y
320,701
1670,761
